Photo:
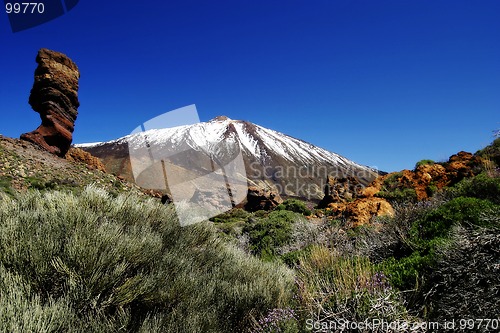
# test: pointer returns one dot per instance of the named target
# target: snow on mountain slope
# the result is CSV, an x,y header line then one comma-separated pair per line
x,y
271,158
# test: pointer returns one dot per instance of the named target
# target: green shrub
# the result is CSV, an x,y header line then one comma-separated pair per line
x,y
91,263
261,214
267,234
392,180
292,258
438,222
398,195
406,273
431,190
481,186
423,162
296,206
41,184
236,214
428,233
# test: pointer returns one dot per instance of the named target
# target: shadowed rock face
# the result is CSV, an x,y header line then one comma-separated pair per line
x,y
261,199
55,97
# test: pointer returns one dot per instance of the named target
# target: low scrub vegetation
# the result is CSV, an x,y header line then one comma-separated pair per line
x,y
268,234
296,206
423,241
346,289
96,264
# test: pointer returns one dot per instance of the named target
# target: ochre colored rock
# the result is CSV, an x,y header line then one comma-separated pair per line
x,y
361,211
462,165
373,188
78,155
340,190
260,199
424,179
439,175
55,97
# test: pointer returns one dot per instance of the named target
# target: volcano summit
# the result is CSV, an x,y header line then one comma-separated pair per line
x,y
272,160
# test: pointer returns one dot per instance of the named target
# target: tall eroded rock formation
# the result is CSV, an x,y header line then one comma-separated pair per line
x,y
55,97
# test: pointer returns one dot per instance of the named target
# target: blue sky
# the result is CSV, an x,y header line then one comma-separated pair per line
x,y
384,83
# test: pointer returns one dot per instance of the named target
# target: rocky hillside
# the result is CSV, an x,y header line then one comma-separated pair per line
x,y
24,165
359,205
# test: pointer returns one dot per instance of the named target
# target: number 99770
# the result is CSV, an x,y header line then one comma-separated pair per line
x,y
24,7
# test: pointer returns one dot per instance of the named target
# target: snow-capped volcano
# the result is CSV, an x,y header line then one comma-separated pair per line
x,y
291,166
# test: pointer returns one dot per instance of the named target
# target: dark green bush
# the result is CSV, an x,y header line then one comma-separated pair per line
x,y
406,273
438,222
429,233
261,214
431,190
481,186
267,234
41,184
399,195
392,181
236,214
296,206
6,185
292,258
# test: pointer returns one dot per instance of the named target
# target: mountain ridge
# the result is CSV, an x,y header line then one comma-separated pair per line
x,y
272,159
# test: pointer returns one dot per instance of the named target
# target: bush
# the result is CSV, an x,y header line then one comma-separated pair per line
x,y
428,232
392,181
41,184
465,282
438,222
236,214
6,185
406,273
399,195
481,186
268,234
293,258
423,162
296,206
91,263
345,289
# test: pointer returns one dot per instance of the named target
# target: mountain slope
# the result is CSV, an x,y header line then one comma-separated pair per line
x,y
271,159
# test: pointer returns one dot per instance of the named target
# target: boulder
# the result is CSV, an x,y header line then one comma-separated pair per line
x,y
340,190
261,199
462,165
362,210
55,97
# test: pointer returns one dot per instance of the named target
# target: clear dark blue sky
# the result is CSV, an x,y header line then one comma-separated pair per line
x,y
384,83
